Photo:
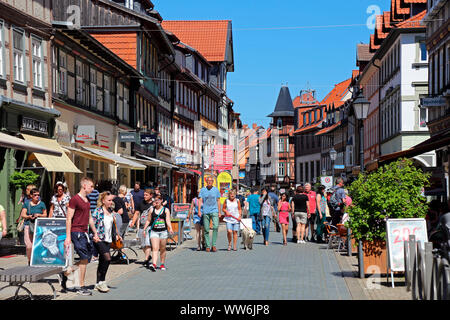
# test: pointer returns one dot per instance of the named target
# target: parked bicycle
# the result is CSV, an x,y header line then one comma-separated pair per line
x,y
440,238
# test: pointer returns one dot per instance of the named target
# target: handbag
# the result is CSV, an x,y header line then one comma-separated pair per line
x,y
20,225
116,244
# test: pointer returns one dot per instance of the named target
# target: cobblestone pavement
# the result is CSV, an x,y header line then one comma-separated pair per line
x,y
274,272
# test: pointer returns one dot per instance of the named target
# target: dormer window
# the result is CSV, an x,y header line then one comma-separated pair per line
x,y
280,123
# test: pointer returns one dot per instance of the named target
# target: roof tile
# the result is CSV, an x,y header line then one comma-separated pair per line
x,y
209,37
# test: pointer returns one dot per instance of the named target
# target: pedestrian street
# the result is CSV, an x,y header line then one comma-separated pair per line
x,y
274,272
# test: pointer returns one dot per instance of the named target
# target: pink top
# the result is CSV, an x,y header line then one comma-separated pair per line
x,y
348,201
284,207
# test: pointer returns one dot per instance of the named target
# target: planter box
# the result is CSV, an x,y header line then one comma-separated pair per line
x,y
374,257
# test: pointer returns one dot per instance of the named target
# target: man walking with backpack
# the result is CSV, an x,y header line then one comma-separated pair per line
x,y
337,201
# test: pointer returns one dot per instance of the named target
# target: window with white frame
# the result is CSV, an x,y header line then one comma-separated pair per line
x,y
62,73
93,88
36,45
281,169
18,55
280,144
1,50
79,81
107,94
126,103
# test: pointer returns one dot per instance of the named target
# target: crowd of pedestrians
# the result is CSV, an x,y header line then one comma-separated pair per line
x,y
96,218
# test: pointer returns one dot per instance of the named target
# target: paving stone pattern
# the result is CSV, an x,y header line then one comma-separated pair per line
x,y
275,272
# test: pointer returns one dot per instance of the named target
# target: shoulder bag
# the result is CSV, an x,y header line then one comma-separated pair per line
x,y
116,244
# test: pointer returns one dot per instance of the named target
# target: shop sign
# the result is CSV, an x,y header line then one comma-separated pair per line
x,y
148,139
433,102
127,136
29,124
85,133
223,157
180,210
180,160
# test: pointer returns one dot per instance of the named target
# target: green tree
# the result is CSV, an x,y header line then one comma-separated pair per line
x,y
22,179
393,191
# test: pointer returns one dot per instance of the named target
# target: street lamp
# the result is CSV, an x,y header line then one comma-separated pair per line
x,y
361,106
333,156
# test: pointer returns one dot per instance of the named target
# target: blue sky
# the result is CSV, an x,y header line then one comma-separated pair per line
x,y
306,44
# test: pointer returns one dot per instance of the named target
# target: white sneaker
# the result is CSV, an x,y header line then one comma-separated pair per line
x,y
299,241
102,287
303,241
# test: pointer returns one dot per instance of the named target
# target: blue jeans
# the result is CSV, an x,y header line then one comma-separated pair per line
x,y
256,224
266,227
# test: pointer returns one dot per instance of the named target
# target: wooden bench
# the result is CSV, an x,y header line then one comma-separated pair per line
x,y
17,276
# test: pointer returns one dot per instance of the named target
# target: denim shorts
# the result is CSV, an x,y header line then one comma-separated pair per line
x,y
233,226
159,234
82,245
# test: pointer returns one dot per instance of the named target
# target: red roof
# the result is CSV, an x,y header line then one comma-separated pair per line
x,y
123,44
337,94
208,36
413,22
328,129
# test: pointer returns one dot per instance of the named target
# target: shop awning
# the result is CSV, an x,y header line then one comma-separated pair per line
x,y
120,161
158,163
88,155
433,143
50,162
12,142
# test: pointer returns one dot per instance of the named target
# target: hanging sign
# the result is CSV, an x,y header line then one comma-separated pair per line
x,y
127,136
148,139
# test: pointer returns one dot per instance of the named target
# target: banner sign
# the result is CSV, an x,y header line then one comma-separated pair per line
x,y
180,210
85,133
326,181
148,139
127,136
48,242
223,157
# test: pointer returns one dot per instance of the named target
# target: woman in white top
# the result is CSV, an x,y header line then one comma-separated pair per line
x,y
59,202
106,228
233,214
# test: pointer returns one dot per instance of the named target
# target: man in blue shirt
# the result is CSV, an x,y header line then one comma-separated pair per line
x,y
254,207
209,208
137,194
340,195
274,201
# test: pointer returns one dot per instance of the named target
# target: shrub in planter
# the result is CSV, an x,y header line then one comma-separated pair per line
x,y
393,191
20,180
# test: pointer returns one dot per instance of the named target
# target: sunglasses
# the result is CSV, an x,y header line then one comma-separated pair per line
x,y
35,195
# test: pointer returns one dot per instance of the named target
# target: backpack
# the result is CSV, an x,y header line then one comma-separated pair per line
x,y
333,202
144,216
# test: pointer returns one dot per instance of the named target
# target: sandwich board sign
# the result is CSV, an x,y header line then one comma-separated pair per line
x,y
397,232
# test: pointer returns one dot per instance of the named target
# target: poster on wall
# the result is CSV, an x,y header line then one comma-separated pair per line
x,y
48,242
224,182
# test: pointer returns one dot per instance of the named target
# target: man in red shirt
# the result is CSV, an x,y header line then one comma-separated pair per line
x,y
312,211
78,220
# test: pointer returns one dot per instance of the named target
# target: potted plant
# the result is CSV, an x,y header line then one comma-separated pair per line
x,y
20,180
393,191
